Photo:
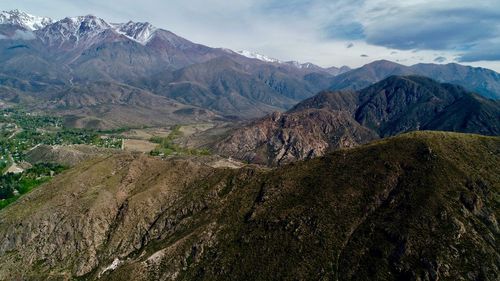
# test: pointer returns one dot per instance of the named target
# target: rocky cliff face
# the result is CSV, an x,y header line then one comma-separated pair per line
x,y
285,137
419,206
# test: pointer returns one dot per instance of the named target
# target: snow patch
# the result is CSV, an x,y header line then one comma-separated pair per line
x,y
73,30
264,58
257,56
140,32
25,20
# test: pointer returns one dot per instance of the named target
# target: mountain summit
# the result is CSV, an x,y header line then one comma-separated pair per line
x,y
483,81
73,31
69,54
25,20
141,32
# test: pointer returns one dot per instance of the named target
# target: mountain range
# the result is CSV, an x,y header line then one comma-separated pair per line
x,y
43,59
476,79
343,119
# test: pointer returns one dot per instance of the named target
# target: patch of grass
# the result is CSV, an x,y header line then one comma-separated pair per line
x,y
168,147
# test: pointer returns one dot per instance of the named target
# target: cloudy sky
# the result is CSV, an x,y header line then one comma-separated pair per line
x,y
325,32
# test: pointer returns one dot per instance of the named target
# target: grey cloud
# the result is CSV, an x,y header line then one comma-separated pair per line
x,y
349,31
440,59
446,26
23,35
435,30
488,50
19,35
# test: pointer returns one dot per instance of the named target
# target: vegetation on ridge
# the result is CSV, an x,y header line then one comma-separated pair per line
x,y
167,146
421,205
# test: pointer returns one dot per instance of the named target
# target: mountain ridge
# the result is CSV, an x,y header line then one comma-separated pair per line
x,y
483,81
395,105
415,203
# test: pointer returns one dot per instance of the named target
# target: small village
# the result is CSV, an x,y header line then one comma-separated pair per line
x,y
21,132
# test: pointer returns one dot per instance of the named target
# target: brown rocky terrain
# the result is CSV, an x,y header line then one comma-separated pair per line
x,y
285,137
104,105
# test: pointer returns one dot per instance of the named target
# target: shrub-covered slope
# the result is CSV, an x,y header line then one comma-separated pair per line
x,y
420,206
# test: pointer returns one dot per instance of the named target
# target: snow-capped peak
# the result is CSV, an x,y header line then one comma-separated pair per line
x,y
252,55
300,65
73,30
86,24
264,58
25,20
295,63
137,31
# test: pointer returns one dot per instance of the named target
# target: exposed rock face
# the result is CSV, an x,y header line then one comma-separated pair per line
x,y
420,206
285,137
332,120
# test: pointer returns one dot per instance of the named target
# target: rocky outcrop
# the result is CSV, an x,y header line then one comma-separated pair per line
x,y
285,137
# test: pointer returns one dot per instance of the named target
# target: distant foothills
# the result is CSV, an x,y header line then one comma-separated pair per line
x,y
105,75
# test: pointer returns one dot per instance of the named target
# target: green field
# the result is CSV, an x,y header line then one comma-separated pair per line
x,y
168,147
